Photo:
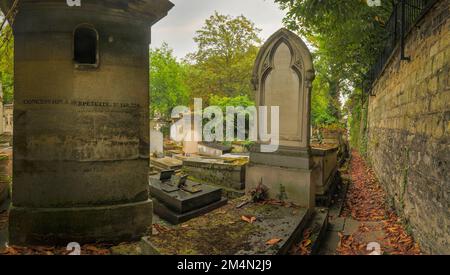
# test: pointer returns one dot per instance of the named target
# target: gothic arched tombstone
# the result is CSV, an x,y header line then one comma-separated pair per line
x,y
283,76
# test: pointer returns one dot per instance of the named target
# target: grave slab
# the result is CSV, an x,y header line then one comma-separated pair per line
x,y
224,232
177,203
181,201
174,217
166,163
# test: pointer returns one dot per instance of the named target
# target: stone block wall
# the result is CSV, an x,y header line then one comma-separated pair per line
x,y
409,139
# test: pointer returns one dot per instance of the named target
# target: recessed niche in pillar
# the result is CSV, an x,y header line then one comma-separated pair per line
x,y
85,46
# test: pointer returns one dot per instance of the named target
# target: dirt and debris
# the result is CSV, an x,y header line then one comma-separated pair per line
x,y
256,228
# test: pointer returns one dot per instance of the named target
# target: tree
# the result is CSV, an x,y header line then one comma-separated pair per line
x,y
6,61
168,87
321,101
223,63
348,36
239,101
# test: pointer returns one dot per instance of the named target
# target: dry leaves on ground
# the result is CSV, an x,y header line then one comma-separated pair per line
x,y
98,249
365,202
273,241
305,246
248,219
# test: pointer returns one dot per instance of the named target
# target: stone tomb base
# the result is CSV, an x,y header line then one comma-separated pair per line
x,y
84,225
287,177
226,173
180,206
326,165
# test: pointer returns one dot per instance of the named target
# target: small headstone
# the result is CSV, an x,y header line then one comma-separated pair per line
x,y
156,143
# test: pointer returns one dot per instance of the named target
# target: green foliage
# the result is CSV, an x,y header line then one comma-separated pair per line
x,y
223,102
223,63
321,113
356,106
168,87
238,101
7,63
348,36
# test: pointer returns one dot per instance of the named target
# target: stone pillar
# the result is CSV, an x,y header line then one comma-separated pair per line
x,y
283,76
81,120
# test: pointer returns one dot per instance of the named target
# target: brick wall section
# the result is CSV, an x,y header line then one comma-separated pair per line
x,y
409,121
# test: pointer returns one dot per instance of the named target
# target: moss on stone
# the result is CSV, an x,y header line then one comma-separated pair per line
x,y
223,232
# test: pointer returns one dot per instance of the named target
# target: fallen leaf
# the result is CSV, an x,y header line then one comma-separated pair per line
x,y
273,241
306,243
248,219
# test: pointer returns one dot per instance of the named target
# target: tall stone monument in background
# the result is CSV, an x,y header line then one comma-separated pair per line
x,y
283,76
81,120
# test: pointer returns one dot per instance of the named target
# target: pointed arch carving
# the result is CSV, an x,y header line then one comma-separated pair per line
x,y
288,86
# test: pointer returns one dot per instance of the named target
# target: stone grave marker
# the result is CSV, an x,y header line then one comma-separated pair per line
x,y
156,142
283,76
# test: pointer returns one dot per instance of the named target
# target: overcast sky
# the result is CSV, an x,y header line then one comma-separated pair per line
x,y
188,16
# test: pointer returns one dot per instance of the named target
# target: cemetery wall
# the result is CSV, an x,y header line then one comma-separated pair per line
x,y
408,139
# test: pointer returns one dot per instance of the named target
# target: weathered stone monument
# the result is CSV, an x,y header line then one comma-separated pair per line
x,y
283,76
81,120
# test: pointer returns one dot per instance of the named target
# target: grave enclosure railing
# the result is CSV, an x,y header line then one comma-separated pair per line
x,y
405,15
